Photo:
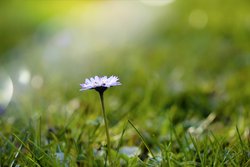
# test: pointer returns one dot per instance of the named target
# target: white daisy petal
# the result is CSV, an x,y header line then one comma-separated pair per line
x,y
100,83
87,81
92,80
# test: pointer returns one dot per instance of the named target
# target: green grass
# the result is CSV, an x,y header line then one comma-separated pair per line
x,y
185,92
86,148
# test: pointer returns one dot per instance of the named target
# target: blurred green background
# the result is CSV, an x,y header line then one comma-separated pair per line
x,y
177,60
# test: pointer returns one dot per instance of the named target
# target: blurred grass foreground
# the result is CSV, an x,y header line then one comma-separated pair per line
x,y
184,68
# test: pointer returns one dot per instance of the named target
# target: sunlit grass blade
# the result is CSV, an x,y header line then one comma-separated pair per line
x,y
20,153
144,142
16,155
240,139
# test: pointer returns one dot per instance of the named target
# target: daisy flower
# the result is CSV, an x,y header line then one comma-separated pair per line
x,y
100,84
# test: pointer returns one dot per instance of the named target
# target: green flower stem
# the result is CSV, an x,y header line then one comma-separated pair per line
x,y
106,124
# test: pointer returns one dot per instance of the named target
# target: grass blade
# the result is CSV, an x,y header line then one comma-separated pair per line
x,y
142,138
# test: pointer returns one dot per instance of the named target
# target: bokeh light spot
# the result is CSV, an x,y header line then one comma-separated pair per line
x,y
6,90
24,76
198,19
37,81
157,2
